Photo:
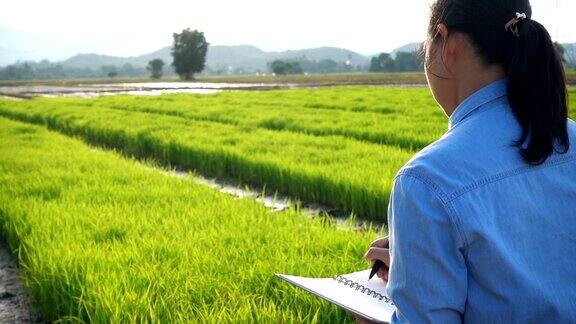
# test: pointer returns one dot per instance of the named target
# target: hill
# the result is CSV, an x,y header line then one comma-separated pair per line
x,y
222,57
411,47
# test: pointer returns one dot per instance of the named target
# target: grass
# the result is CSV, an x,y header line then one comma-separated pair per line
x,y
339,172
104,239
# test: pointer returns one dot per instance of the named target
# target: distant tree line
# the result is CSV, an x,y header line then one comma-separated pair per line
x,y
402,62
413,61
45,70
305,65
189,57
282,68
188,51
568,56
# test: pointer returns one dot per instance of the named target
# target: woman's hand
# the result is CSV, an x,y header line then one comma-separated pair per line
x,y
379,251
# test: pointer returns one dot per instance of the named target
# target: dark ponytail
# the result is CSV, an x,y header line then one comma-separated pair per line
x,y
536,80
537,93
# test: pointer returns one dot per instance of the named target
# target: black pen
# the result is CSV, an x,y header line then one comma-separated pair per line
x,y
377,265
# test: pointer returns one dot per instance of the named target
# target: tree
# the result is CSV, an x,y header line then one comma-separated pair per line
x,y
570,56
155,67
408,62
375,65
387,62
294,68
561,51
189,53
327,66
382,63
109,70
280,67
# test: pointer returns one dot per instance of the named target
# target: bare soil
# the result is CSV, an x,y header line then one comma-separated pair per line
x,y
15,304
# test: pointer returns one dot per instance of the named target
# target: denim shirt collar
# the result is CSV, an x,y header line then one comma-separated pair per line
x,y
487,94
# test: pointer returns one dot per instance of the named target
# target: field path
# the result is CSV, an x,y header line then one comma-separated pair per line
x,y
14,302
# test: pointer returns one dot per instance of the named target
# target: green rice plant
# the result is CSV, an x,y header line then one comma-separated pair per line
x,y
350,175
104,239
343,173
404,117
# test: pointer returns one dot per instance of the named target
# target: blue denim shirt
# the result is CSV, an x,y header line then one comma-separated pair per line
x,y
476,234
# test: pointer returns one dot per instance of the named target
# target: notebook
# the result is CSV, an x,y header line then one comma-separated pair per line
x,y
352,292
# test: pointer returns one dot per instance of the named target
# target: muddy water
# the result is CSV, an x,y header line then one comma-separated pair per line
x,y
158,88
150,89
93,94
277,203
10,98
192,85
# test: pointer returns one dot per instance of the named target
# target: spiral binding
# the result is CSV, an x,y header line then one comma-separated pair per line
x,y
362,289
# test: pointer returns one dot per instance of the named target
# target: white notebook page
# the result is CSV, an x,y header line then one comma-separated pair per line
x,y
349,298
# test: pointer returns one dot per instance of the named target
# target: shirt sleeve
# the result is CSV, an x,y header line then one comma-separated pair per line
x,y
427,277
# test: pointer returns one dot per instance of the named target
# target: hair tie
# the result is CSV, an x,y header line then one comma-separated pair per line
x,y
512,24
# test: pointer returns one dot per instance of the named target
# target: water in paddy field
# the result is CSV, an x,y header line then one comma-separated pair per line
x,y
277,203
141,89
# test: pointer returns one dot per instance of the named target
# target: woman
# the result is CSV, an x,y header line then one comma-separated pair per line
x,y
482,223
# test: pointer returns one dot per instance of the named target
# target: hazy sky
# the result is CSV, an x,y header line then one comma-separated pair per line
x,y
127,27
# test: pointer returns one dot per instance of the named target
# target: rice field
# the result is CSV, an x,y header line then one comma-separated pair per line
x,y
337,171
104,239
103,233
408,118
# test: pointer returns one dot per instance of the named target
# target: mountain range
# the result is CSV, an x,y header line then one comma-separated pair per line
x,y
247,57
221,57
21,46
27,47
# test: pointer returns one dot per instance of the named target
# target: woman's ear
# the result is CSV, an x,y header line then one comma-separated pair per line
x,y
448,53
442,30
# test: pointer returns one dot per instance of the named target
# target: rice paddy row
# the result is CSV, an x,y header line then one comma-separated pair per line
x,y
104,239
333,170
404,117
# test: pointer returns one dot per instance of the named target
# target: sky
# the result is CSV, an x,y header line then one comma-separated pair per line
x,y
61,28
